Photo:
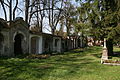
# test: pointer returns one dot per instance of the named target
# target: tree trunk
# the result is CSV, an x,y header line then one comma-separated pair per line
x,y
10,11
110,47
26,10
68,27
15,9
53,28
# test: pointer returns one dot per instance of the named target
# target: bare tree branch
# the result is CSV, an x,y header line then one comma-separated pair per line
x,y
15,9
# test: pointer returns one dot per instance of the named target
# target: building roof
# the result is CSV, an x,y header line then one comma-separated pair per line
x,y
3,23
39,33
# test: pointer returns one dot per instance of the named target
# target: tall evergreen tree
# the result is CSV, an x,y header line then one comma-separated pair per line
x,y
103,15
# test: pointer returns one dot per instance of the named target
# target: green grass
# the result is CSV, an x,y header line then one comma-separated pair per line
x,y
74,65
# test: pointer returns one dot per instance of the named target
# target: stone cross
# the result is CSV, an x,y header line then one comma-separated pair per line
x,y
105,43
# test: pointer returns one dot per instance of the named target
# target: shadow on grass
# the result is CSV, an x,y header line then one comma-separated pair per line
x,y
22,69
76,51
97,55
116,54
68,63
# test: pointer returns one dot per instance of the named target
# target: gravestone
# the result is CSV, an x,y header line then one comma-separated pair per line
x,y
104,52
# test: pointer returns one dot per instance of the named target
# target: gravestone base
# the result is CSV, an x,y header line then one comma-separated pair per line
x,y
104,55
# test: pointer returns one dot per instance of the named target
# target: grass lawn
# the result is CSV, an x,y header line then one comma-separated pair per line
x,y
73,65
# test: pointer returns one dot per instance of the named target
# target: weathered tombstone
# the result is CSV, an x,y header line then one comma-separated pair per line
x,y
105,52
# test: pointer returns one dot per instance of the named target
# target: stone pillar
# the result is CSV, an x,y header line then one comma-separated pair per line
x,y
40,46
105,43
105,52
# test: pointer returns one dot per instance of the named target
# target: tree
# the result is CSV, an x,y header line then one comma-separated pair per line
x,y
27,3
35,12
69,16
103,16
11,6
54,13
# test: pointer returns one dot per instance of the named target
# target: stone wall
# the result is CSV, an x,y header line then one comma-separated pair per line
x,y
57,44
10,33
35,44
20,28
17,39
